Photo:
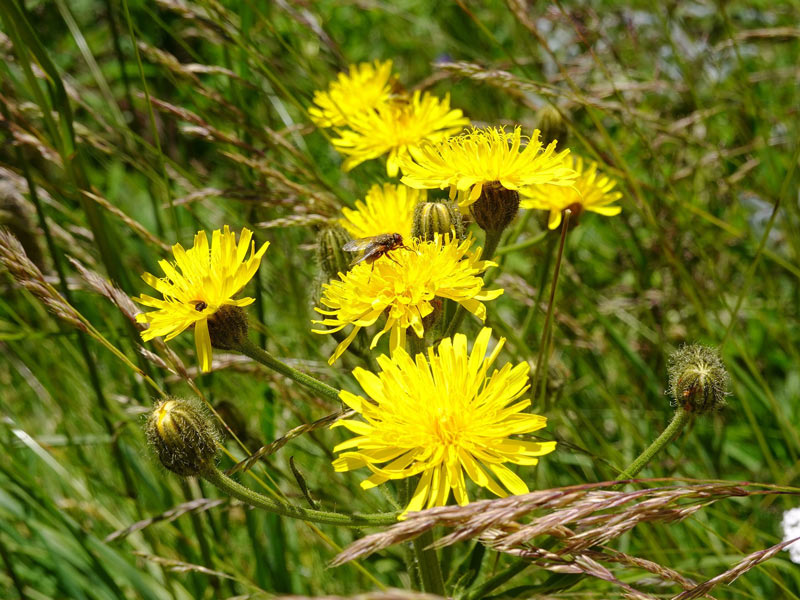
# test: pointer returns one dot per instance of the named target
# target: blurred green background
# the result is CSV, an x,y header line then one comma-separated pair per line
x,y
141,122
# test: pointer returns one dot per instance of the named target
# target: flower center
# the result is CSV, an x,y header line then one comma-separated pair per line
x,y
447,428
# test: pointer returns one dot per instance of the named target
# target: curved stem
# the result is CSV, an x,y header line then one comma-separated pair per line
x,y
258,354
230,487
674,427
489,247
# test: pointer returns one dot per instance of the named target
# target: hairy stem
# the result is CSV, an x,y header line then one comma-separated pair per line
x,y
258,354
236,490
674,427
429,568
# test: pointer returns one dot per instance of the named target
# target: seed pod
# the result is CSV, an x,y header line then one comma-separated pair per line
x,y
227,327
332,259
431,218
183,436
496,207
698,380
552,126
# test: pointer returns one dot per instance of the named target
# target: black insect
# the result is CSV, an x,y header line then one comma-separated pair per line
x,y
200,306
375,246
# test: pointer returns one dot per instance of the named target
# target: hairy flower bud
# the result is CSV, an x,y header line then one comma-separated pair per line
x,y
496,207
552,126
332,259
227,327
431,218
183,436
698,380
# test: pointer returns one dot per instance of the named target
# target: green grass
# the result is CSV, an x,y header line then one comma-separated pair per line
x,y
188,118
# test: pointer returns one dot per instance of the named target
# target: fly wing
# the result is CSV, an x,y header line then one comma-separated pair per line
x,y
362,258
360,244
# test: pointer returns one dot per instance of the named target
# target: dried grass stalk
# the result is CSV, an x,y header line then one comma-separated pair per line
x,y
279,443
28,275
194,506
580,520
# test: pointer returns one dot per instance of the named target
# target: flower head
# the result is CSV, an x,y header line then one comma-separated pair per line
x,y
591,191
395,127
405,286
199,283
443,416
467,162
387,208
698,380
362,89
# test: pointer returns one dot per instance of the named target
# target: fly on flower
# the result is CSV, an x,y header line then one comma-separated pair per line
x,y
375,246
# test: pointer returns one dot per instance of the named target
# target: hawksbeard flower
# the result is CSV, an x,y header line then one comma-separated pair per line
x,y
362,89
442,416
466,163
199,283
387,208
395,127
591,191
405,286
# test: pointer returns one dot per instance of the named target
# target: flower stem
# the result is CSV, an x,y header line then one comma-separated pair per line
x,y
678,421
544,355
258,354
230,487
429,568
489,247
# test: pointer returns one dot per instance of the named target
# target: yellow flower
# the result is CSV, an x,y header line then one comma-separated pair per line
x,y
386,209
405,286
198,284
362,89
394,127
591,191
479,157
442,416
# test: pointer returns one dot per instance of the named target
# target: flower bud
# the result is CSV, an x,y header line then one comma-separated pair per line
x,y
332,259
698,380
227,327
183,436
552,126
496,207
431,218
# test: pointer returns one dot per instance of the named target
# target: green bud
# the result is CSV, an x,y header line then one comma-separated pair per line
x,y
227,327
698,380
552,126
431,218
330,256
183,436
496,207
